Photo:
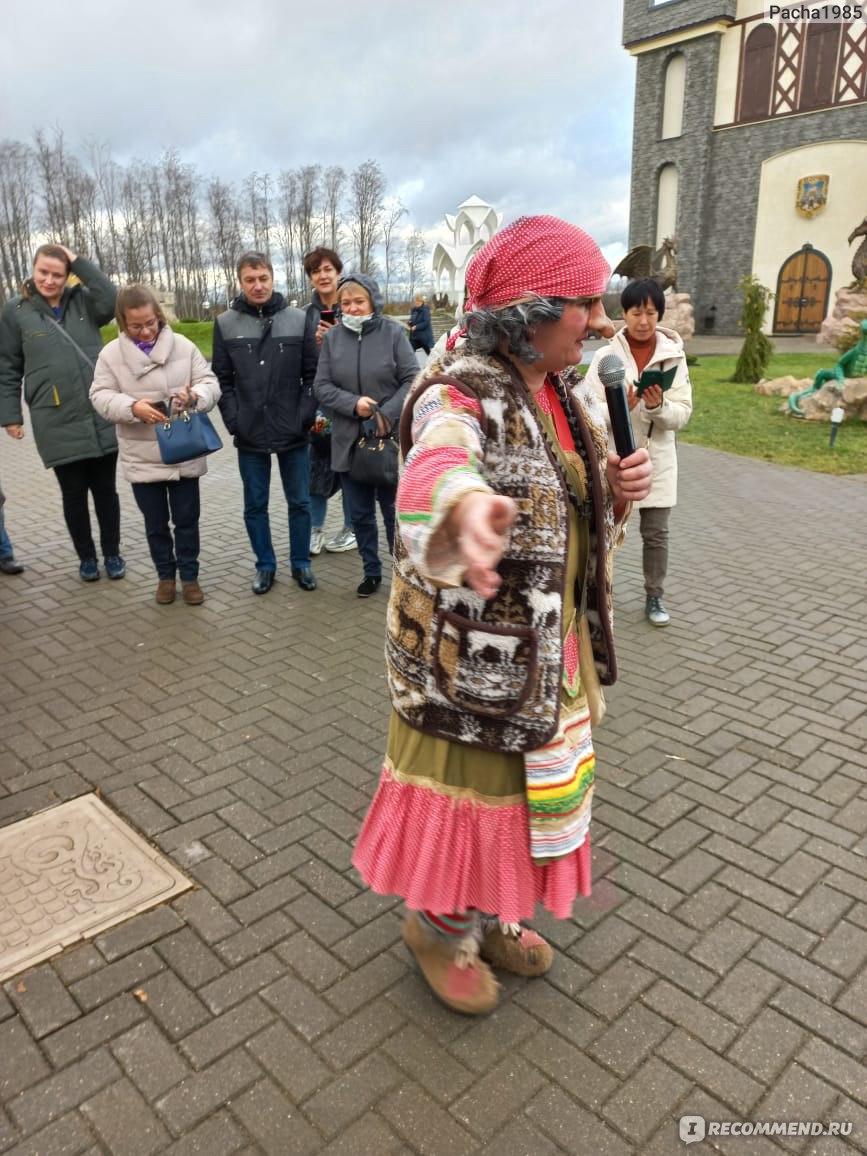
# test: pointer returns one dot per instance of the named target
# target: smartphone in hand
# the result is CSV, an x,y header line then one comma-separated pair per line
x,y
328,316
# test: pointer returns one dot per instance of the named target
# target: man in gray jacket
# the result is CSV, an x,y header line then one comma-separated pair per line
x,y
265,363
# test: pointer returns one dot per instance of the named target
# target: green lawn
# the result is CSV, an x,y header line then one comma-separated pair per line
x,y
726,415
199,332
730,416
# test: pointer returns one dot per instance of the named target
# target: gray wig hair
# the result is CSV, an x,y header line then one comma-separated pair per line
x,y
486,328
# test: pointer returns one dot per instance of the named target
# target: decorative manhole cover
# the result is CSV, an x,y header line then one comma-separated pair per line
x,y
70,873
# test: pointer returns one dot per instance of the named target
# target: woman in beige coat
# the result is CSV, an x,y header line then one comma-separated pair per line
x,y
140,377
660,401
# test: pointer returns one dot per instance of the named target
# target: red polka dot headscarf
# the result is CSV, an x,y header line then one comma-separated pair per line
x,y
536,255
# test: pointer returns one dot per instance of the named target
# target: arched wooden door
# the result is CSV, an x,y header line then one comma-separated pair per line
x,y
803,289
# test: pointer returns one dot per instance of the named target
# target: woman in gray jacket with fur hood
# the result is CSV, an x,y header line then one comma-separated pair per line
x,y
366,361
139,377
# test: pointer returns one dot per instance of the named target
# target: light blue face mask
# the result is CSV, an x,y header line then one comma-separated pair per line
x,y
354,323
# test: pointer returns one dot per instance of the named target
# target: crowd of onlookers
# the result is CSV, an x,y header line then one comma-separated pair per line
x,y
295,385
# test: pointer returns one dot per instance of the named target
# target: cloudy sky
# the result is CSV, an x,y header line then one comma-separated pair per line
x,y
525,103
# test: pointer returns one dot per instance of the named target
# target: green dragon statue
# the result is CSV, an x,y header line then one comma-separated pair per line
x,y
853,363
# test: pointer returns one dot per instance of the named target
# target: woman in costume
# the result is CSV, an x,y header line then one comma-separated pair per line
x,y
499,623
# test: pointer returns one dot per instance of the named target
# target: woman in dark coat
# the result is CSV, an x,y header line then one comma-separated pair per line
x,y
420,327
365,361
49,342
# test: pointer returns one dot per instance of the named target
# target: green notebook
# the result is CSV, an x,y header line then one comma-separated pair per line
x,y
660,377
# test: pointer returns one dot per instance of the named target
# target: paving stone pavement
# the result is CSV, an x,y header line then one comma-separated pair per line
x,y
717,970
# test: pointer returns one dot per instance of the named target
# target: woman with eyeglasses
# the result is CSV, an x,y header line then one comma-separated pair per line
x,y
49,343
141,377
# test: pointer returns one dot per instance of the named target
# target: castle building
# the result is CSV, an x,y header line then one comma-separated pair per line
x,y
749,146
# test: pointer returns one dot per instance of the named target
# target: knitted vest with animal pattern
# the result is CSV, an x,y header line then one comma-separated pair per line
x,y
487,673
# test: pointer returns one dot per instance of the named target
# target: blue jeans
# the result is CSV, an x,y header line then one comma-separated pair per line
x,y
295,474
362,506
157,500
5,545
319,505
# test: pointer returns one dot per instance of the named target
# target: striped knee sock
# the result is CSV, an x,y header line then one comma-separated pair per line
x,y
457,924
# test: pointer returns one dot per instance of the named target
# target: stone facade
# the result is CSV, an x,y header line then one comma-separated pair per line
x,y
719,167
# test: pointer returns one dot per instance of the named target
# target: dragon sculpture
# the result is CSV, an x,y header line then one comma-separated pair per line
x,y
853,363
859,261
643,261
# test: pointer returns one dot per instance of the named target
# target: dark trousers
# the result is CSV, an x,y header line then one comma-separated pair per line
x,y
295,475
362,506
180,500
416,345
97,476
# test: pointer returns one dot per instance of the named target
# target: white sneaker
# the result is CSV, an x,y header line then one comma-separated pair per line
x,y
342,542
317,540
656,612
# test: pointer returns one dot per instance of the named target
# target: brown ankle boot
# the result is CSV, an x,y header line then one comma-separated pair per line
x,y
511,947
166,591
192,592
454,973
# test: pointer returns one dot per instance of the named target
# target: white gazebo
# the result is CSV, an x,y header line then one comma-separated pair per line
x,y
474,223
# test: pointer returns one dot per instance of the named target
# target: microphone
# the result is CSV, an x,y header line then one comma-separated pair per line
x,y
612,374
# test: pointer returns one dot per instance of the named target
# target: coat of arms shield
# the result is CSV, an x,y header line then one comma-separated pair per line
x,y
812,194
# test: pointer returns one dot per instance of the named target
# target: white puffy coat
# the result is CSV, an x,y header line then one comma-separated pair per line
x,y
666,420
125,375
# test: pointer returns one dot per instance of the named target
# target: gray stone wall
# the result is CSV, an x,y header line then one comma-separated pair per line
x,y
642,21
718,172
690,152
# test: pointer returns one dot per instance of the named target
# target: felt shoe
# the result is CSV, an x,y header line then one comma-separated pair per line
x,y
455,974
511,947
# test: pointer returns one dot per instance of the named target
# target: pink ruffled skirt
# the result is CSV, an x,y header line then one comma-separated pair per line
x,y
443,853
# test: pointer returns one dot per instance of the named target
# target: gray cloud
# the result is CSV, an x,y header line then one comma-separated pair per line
x,y
525,104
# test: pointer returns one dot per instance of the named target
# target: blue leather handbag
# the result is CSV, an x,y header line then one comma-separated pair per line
x,y
187,436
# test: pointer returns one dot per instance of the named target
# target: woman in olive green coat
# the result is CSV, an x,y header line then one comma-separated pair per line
x,y
49,343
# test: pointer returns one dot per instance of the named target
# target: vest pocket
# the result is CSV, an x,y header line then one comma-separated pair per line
x,y
482,668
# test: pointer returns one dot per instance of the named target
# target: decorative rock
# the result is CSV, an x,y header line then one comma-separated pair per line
x,y
852,397
850,306
678,314
782,386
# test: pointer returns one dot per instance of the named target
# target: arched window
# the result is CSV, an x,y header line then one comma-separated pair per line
x,y
820,65
757,73
666,203
672,106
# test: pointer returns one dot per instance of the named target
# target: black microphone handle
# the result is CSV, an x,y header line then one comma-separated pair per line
x,y
621,424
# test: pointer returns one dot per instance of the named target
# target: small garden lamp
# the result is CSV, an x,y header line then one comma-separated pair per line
x,y
837,415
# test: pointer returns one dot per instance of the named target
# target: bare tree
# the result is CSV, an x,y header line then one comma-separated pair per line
x,y
416,250
225,237
393,210
367,193
257,191
333,185
17,199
